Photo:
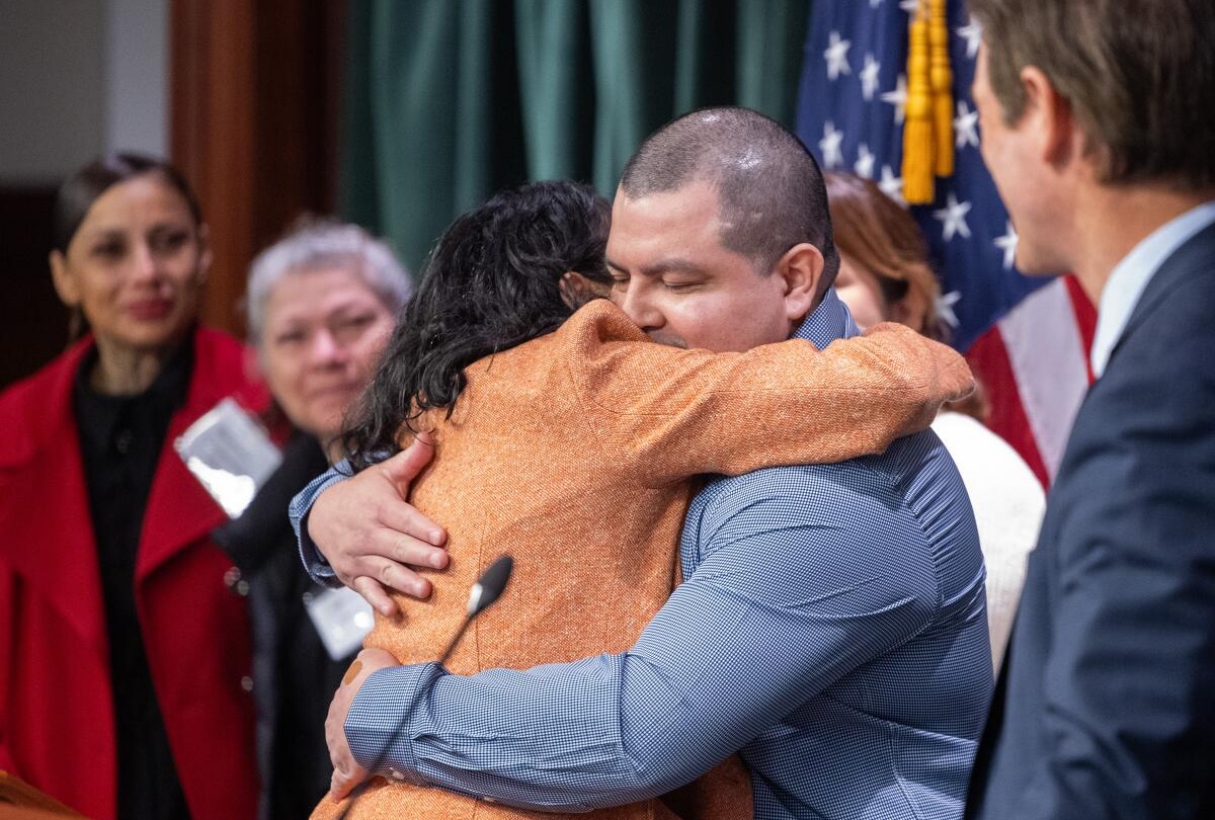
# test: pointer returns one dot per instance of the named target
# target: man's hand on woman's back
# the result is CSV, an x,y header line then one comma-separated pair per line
x,y
372,537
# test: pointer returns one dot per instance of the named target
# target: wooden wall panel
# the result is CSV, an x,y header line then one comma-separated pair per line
x,y
254,100
212,134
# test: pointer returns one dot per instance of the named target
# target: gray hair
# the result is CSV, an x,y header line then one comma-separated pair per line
x,y
322,244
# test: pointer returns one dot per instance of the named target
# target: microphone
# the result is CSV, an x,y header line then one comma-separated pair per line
x,y
482,595
490,585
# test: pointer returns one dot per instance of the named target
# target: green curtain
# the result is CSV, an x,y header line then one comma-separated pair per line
x,y
447,101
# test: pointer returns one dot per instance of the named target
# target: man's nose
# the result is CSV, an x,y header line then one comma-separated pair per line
x,y
636,303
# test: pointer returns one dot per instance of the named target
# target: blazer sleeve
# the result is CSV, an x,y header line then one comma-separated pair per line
x,y
9,663
678,413
1129,678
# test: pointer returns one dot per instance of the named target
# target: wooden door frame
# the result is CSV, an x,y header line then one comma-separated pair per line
x,y
255,91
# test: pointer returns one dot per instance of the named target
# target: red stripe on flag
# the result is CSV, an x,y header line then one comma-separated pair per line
x,y
1086,317
988,358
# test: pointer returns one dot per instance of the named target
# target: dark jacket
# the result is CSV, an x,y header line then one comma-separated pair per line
x,y
1106,704
293,676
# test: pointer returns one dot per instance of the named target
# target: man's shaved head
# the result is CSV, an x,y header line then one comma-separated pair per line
x,y
770,188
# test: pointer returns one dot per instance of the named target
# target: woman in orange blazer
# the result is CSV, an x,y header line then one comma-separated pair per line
x,y
571,441
125,655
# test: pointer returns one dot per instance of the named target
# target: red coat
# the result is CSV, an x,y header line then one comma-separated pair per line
x,y
56,720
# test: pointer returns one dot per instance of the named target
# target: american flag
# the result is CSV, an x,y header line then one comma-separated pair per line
x,y
1028,339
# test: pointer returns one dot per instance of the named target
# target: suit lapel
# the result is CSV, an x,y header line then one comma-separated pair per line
x,y
1195,258
179,510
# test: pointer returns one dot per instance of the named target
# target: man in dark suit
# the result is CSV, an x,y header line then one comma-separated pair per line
x,y
1098,129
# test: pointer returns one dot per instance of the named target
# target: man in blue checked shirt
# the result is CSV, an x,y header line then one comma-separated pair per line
x,y
831,628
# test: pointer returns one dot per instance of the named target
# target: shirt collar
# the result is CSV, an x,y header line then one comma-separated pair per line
x,y
1132,274
827,322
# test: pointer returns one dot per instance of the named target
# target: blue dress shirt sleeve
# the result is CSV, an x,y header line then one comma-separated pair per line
x,y
316,565
789,596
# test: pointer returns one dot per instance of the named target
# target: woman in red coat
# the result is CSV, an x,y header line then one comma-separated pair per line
x,y
125,657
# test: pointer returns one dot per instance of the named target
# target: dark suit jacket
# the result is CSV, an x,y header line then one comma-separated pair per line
x,y
294,677
1106,705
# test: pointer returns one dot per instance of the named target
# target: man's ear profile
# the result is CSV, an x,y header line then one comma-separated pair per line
x,y
1050,114
801,268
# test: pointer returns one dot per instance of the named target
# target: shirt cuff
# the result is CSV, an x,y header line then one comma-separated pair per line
x,y
378,724
301,506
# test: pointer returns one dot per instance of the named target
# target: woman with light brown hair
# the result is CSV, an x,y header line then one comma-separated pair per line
x,y
884,272
885,276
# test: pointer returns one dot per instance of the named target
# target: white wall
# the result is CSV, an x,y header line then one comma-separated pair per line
x,y
79,77
137,110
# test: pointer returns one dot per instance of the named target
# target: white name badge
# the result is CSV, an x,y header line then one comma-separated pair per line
x,y
342,618
230,454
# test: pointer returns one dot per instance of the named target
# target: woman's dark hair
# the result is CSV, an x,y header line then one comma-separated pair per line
x,y
492,282
79,191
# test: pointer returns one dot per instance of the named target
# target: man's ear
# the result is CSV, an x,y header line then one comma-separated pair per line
x,y
1049,114
801,269
64,281
576,289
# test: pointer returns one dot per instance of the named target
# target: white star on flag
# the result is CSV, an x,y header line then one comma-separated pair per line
x,y
972,33
964,125
953,216
864,162
830,146
1008,244
1030,337
944,308
898,98
836,56
869,77
891,185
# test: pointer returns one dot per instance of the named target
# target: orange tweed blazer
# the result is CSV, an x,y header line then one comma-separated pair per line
x,y
575,452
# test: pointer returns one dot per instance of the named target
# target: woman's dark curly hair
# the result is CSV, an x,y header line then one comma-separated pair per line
x,y
493,281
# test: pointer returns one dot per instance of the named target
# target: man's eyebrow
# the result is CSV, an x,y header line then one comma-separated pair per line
x,y
673,265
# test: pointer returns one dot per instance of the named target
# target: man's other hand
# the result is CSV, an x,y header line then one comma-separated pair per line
x,y
372,536
347,773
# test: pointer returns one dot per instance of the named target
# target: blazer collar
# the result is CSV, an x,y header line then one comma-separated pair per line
x,y
1195,258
